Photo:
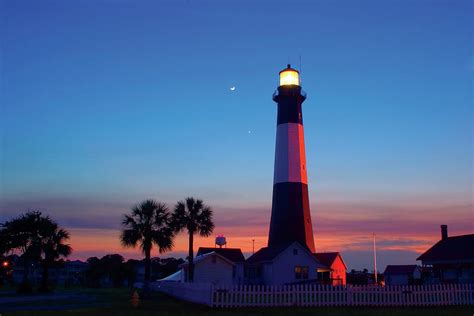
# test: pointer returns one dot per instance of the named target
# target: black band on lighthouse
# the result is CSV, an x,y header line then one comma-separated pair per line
x,y
289,99
291,217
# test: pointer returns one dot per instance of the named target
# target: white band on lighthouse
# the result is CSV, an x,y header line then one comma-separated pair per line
x,y
290,157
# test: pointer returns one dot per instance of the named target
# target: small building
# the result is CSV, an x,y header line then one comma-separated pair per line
x,y
282,264
402,274
219,266
334,272
451,259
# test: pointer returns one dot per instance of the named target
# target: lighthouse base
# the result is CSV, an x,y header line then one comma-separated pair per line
x,y
291,217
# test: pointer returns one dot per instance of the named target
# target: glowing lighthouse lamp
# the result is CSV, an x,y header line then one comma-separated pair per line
x,y
289,76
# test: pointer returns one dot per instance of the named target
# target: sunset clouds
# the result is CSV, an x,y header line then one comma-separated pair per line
x,y
402,231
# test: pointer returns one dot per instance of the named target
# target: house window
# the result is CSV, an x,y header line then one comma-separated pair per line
x,y
301,272
297,272
295,252
304,272
323,275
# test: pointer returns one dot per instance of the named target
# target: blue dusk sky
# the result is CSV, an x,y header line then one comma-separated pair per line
x,y
105,103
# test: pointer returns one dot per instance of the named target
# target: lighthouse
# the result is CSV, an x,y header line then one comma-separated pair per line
x,y
291,216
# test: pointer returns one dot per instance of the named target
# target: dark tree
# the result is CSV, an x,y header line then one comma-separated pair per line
x,y
38,238
112,269
106,271
53,248
196,218
148,224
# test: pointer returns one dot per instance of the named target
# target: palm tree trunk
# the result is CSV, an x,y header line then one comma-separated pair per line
x,y
146,284
26,269
25,285
190,258
44,277
147,266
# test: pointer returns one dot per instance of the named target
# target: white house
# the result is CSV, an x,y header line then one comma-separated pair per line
x,y
402,274
280,265
218,266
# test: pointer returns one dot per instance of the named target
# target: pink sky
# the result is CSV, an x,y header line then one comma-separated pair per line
x,y
402,232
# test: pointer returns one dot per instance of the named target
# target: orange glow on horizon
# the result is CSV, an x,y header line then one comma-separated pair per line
x,y
84,242
338,227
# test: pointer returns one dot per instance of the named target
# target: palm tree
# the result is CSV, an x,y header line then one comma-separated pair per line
x,y
23,235
39,239
196,217
53,248
148,224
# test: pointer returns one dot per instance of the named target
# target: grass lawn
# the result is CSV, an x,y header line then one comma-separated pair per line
x,y
117,302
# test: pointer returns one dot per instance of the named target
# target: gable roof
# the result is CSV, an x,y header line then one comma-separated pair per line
x,y
271,253
400,269
232,254
202,257
456,248
266,254
328,258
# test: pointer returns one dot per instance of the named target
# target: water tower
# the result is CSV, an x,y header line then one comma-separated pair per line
x,y
221,241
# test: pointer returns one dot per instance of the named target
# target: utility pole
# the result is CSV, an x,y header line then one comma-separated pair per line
x,y
375,262
253,246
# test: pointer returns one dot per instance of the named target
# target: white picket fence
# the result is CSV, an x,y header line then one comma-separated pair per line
x,y
319,295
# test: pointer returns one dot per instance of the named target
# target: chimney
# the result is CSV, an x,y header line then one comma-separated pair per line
x,y
444,232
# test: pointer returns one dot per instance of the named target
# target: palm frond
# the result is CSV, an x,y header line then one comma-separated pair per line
x,y
129,238
205,223
147,224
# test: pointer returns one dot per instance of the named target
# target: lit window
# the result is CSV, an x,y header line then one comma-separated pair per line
x,y
297,272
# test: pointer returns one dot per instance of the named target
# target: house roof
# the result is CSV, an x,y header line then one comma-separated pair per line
x,y
400,269
456,248
327,258
201,257
176,277
270,253
267,253
232,254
